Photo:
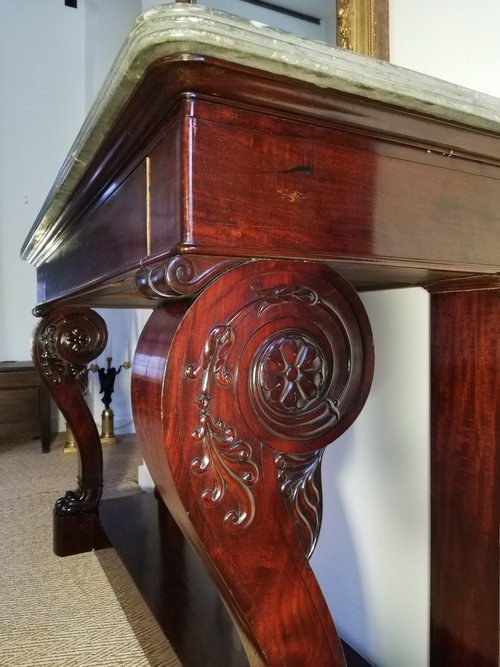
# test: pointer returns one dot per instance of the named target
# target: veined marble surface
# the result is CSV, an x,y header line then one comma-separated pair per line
x,y
170,30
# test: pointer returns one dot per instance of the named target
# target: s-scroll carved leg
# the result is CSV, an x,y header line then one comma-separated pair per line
x,y
66,340
235,398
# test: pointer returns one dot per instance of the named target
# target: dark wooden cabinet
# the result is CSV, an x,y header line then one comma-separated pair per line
x,y
24,403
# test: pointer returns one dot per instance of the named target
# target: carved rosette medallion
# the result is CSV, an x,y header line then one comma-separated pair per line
x,y
290,373
288,367
304,365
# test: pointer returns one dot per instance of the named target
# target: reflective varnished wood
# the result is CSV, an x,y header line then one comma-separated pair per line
x,y
234,400
464,477
64,343
233,159
174,584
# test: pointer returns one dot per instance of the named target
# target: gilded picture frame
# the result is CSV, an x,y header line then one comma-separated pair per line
x,y
363,26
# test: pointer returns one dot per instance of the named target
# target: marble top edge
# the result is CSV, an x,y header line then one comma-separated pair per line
x,y
175,29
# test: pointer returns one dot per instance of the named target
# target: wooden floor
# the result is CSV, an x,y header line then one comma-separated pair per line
x,y
174,585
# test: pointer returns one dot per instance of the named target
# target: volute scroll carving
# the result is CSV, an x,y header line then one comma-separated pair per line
x,y
282,359
67,341
180,275
251,381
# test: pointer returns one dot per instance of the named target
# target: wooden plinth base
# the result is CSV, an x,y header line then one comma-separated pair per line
x,y
174,584
77,533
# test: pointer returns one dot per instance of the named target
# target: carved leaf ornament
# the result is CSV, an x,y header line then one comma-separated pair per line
x,y
299,477
67,341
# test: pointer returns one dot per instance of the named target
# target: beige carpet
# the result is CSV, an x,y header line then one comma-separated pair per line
x,y
75,611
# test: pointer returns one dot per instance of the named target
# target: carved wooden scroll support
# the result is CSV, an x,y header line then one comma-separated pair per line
x,y
181,275
66,340
235,398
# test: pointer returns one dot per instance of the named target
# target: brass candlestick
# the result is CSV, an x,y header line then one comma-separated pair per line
x,y
107,378
70,444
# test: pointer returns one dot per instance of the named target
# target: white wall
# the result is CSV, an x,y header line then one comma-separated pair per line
x,y
107,25
455,40
54,59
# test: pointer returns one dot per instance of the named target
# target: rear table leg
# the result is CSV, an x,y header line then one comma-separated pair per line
x,y
65,341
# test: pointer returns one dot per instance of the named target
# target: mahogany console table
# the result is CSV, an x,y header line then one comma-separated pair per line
x,y
248,182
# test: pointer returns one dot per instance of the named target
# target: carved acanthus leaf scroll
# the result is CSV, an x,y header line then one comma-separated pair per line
x,y
271,296
67,342
213,356
229,460
224,454
181,275
287,366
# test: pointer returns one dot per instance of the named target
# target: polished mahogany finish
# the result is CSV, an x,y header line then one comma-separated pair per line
x,y
64,343
209,167
227,158
174,584
465,474
234,400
